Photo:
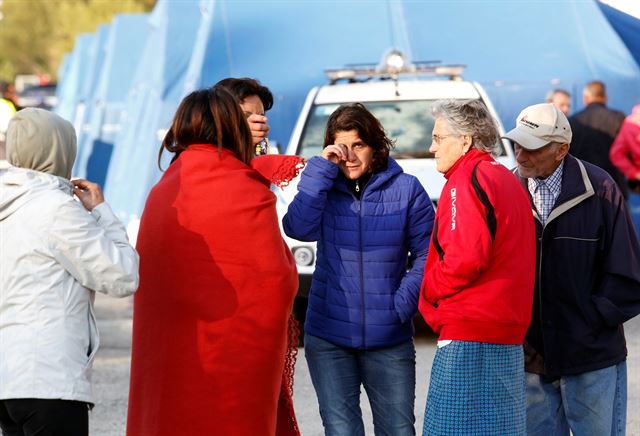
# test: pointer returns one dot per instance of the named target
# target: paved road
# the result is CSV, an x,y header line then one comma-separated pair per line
x,y
111,377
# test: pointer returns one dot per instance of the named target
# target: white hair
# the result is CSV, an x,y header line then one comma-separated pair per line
x,y
469,118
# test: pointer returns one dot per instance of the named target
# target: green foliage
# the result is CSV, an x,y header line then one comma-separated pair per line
x,y
35,34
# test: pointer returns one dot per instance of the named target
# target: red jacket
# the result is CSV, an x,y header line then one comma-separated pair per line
x,y
480,271
625,151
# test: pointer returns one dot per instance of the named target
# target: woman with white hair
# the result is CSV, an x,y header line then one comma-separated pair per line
x,y
478,284
55,252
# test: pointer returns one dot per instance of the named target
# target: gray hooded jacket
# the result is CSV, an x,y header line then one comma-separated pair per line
x,y
53,256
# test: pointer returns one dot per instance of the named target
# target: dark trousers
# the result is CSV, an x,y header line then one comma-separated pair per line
x,y
34,417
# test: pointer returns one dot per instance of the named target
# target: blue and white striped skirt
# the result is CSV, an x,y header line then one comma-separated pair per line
x,y
476,388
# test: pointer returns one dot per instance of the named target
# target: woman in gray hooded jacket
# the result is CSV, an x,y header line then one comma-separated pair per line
x,y
55,252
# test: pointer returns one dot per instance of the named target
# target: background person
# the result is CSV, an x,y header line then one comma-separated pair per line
x,y
217,284
7,111
625,151
587,283
54,255
477,288
8,93
369,219
594,130
255,100
560,99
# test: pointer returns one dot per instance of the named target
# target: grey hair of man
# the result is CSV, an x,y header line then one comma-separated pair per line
x,y
553,93
469,118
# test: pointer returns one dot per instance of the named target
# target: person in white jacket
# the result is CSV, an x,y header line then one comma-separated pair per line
x,y
55,253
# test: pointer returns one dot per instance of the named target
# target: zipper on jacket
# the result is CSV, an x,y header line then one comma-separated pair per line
x,y
362,303
540,291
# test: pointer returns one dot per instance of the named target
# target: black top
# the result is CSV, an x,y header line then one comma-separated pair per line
x,y
594,130
356,186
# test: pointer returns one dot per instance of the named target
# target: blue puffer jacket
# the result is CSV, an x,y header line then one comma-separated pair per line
x,y
361,294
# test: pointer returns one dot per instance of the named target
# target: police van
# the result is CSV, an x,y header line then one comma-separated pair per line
x,y
400,94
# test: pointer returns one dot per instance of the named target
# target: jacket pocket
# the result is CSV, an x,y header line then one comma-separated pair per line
x,y
577,239
574,252
574,283
94,336
397,313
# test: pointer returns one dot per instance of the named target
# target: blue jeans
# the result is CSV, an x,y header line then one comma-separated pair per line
x,y
590,404
388,375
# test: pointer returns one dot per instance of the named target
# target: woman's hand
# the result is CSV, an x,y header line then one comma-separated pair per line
x,y
336,153
88,193
259,127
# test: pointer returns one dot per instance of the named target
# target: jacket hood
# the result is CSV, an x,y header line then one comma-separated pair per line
x,y
18,186
42,141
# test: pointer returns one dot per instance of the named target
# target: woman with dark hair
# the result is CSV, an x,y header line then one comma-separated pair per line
x,y
370,219
255,100
217,284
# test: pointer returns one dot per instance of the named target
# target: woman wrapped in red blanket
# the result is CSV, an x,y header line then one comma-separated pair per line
x,y
217,284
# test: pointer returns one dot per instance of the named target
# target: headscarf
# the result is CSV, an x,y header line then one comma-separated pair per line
x,y
42,141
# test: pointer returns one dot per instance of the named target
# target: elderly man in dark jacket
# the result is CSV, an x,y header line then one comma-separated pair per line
x,y
587,286
594,130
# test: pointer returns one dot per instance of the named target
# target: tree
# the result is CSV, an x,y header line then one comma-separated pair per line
x,y
35,34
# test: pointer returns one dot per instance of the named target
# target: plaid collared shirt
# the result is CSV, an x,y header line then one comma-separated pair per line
x,y
545,192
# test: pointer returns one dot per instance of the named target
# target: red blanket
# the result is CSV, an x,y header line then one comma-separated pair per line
x,y
217,284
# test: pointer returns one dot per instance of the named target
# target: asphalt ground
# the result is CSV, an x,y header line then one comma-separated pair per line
x,y
111,376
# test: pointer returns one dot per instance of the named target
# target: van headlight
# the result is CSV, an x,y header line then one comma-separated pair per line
x,y
303,256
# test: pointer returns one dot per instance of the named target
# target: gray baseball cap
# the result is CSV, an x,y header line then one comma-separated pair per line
x,y
538,125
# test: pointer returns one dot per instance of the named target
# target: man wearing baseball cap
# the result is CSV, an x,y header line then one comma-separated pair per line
x,y
587,285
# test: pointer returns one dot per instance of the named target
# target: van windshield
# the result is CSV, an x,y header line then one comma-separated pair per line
x,y
409,123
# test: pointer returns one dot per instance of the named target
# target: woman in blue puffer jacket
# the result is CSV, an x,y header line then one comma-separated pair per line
x,y
370,220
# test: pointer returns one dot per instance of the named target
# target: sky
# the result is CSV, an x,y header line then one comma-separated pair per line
x,y
631,7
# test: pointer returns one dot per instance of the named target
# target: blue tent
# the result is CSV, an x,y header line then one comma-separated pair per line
x,y
122,49
71,89
157,87
518,50
627,28
63,70
89,84
287,46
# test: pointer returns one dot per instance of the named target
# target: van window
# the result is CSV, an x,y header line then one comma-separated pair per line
x,y
408,122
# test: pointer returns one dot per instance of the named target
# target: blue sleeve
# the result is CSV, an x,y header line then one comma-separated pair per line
x,y
303,219
418,234
617,298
